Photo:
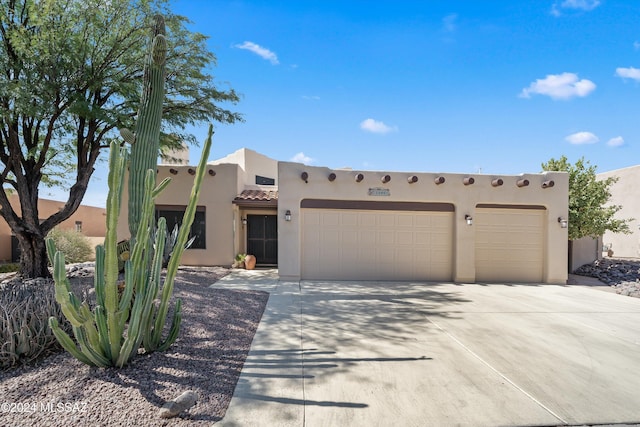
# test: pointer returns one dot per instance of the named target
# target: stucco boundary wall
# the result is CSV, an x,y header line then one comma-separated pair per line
x,y
624,193
298,182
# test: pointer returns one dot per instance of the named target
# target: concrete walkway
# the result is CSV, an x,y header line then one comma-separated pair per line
x,y
417,354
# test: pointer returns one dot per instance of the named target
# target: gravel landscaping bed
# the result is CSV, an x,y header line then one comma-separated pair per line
x,y
218,326
621,274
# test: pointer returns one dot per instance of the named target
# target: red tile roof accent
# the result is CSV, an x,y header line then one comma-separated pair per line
x,y
257,195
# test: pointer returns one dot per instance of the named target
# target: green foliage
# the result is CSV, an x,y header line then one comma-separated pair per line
x,y
75,246
124,253
589,211
25,335
9,268
170,244
70,76
238,261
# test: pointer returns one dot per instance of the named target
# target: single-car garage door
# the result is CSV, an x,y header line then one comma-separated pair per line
x,y
346,240
509,243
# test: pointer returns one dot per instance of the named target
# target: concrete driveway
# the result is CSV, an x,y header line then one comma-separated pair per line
x,y
417,354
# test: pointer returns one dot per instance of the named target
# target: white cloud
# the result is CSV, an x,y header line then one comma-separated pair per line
x,y
375,126
628,73
580,138
559,86
302,158
580,4
262,52
618,141
449,22
636,45
585,5
311,97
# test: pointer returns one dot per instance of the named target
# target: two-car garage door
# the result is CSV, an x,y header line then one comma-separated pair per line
x,y
377,241
346,240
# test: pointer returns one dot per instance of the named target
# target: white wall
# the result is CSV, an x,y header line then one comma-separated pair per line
x,y
626,194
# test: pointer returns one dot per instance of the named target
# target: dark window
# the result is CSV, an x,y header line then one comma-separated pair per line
x,y
79,226
261,180
173,215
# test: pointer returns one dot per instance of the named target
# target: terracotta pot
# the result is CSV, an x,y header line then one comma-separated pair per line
x,y
250,262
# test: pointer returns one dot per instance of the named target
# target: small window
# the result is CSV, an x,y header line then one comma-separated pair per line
x,y
173,216
79,226
261,180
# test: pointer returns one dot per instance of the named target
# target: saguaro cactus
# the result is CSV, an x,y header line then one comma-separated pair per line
x,y
145,143
112,333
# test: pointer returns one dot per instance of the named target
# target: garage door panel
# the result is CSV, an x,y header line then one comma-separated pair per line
x,y
405,221
385,237
421,238
509,244
405,238
377,245
383,220
367,238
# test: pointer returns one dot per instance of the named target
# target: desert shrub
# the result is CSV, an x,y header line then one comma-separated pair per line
x,y
9,268
74,245
25,308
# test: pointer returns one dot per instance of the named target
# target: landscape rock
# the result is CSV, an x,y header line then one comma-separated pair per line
x,y
181,403
623,275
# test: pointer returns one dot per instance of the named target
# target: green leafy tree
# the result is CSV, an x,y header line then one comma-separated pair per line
x,y
589,211
70,76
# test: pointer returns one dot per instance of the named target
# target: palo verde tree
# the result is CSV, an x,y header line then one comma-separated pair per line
x,y
70,76
589,211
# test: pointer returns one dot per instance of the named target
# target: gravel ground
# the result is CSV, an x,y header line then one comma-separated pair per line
x,y
218,326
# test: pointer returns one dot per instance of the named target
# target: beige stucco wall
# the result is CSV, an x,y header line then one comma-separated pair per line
x,y
292,190
225,233
585,251
217,194
626,194
92,218
251,164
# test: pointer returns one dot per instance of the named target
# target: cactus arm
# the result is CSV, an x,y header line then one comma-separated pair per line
x,y
98,275
89,350
129,345
128,136
67,343
183,236
154,277
103,332
138,323
51,250
163,184
127,295
175,327
117,161
144,153
68,302
140,250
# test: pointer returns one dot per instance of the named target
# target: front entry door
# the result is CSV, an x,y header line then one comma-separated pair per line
x,y
262,238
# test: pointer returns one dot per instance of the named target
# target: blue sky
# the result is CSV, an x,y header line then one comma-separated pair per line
x,y
443,86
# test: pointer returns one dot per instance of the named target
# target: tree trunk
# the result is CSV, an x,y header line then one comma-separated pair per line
x,y
33,256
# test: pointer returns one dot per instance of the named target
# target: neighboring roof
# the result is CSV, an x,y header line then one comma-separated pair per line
x,y
257,197
617,171
239,157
